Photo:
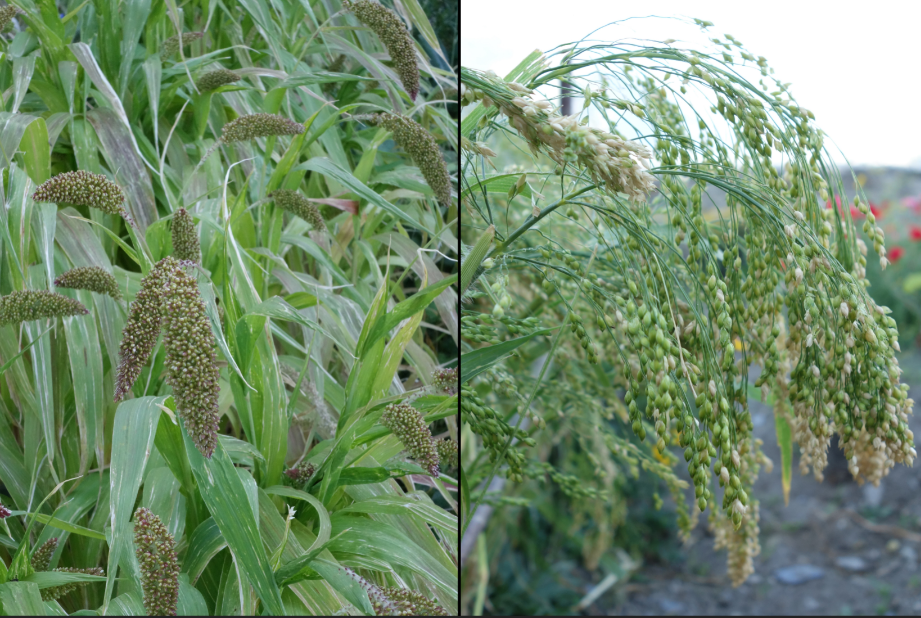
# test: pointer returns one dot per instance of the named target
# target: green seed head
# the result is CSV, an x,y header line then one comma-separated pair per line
x,y
422,147
156,553
56,592
190,358
252,126
297,204
92,278
405,602
82,188
185,239
41,558
409,426
140,332
27,305
300,473
215,79
7,14
393,34
171,45
447,452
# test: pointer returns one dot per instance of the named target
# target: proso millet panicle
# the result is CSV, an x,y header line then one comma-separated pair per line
x,y
295,203
422,147
393,33
28,305
252,126
82,188
92,278
156,553
410,427
216,78
185,238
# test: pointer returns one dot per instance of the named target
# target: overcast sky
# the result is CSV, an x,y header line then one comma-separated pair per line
x,y
857,67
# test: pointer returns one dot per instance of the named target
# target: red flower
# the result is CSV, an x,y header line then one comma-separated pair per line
x,y
877,212
856,214
895,254
915,232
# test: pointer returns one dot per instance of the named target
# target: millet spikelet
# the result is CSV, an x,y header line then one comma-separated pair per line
x,y
215,79
190,358
185,238
295,203
422,147
409,426
41,558
92,278
393,34
252,126
82,188
27,305
171,45
447,452
156,553
141,331
445,380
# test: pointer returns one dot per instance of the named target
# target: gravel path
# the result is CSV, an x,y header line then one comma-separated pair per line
x,y
838,548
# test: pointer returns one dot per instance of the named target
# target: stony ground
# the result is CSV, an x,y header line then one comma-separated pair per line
x,y
838,548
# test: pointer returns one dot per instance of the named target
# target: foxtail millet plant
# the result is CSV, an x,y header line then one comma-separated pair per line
x,y
396,37
409,426
185,239
171,45
213,80
392,601
82,188
252,126
422,147
27,305
92,278
41,558
297,204
156,554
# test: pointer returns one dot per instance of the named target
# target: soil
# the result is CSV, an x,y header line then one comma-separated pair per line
x,y
862,542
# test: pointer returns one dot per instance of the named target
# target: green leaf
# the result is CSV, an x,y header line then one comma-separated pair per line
x,y
54,522
477,361
912,283
226,498
21,599
204,544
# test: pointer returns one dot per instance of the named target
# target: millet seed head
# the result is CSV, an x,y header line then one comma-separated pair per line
x,y
56,592
252,126
82,188
185,238
4,512
409,426
447,452
405,602
216,78
41,557
27,305
7,14
171,45
445,380
394,35
156,554
92,278
300,473
295,203
422,147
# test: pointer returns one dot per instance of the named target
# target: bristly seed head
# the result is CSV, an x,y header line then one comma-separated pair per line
x,y
82,188
156,553
252,126
294,202
185,238
27,305
409,426
41,557
445,380
171,45
216,78
394,35
447,452
422,147
92,278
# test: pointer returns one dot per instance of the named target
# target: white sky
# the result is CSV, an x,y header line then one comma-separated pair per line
x,y
857,67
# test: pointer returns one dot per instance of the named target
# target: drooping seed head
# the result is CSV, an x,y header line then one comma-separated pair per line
x,y
216,78
171,45
394,35
191,361
185,238
92,278
422,147
82,188
446,380
300,473
447,452
41,558
7,14
156,553
295,203
252,126
27,305
141,330
56,592
409,426
405,602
